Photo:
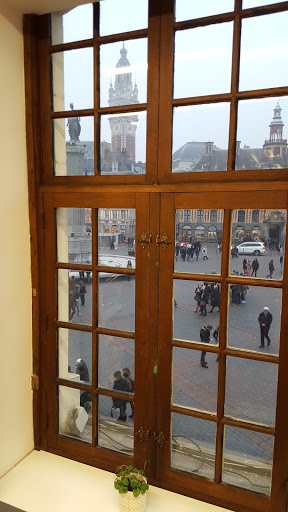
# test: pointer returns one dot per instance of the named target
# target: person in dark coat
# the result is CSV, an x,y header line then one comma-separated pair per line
x,y
119,385
255,267
204,299
265,320
82,293
244,264
82,370
271,269
215,298
71,305
205,338
215,336
197,250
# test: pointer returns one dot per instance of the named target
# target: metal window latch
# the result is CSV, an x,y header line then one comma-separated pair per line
x,y
143,434
160,439
35,382
144,240
164,240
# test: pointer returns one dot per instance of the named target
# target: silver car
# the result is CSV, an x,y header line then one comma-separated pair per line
x,y
255,248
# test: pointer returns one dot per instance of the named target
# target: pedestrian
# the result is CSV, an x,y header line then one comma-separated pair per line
x,y
205,338
71,305
82,370
129,388
234,251
197,297
81,274
244,293
255,267
265,320
115,246
129,265
119,385
204,299
76,293
215,298
82,293
88,274
215,336
197,250
271,269
244,265
204,253
281,263
248,269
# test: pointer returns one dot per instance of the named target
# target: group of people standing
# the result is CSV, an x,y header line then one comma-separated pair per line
x,y
207,293
188,251
122,382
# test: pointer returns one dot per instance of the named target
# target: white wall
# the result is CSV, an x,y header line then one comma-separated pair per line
x,y
16,425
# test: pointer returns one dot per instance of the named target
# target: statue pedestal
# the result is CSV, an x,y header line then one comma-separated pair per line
x,y
74,158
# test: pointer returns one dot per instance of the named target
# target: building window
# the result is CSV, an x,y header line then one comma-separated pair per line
x,y
114,214
106,214
123,214
200,215
241,215
213,216
187,215
255,215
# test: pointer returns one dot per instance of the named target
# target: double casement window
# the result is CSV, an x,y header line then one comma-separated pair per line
x,y
158,159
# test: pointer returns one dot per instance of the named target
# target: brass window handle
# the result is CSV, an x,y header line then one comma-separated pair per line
x,y
160,439
164,240
144,240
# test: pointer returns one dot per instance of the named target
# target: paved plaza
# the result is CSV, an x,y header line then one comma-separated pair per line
x,y
250,385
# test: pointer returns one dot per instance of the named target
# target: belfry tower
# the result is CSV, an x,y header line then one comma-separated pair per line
x,y
123,128
276,145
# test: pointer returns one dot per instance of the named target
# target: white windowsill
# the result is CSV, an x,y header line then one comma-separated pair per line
x,y
46,482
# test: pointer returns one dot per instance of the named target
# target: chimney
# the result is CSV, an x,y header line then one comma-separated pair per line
x,y
208,148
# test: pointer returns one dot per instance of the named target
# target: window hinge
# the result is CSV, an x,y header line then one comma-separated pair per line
x,y
35,382
143,434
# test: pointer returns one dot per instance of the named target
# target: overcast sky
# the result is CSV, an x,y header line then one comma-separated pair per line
x,y
202,66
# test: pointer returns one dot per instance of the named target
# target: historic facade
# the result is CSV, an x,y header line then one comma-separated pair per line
x,y
207,225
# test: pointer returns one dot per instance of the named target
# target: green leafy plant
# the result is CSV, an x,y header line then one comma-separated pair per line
x,y
130,479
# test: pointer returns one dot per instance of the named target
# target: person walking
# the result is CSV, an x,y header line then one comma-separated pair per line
x,y
244,293
271,269
215,336
129,265
204,299
248,269
244,265
82,370
281,263
82,293
255,267
204,253
265,320
205,338
197,250
197,297
76,293
215,298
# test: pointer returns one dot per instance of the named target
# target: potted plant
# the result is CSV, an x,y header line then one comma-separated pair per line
x,y
131,483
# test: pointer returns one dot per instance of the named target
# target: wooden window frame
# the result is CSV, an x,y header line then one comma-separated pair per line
x,y
163,186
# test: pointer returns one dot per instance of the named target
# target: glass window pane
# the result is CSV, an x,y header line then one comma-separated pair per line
x,y
248,458
257,49
74,297
75,420
193,300
198,239
187,10
193,445
128,15
247,4
207,149
262,144
257,247
123,143
116,237
251,388
114,432
203,58
73,146
193,387
72,79
75,355
74,237
245,328
123,73
116,302
115,355
74,25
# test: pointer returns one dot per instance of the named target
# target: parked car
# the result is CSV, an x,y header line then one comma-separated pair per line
x,y
255,248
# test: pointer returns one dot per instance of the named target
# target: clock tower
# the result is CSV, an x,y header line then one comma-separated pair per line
x,y
123,128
